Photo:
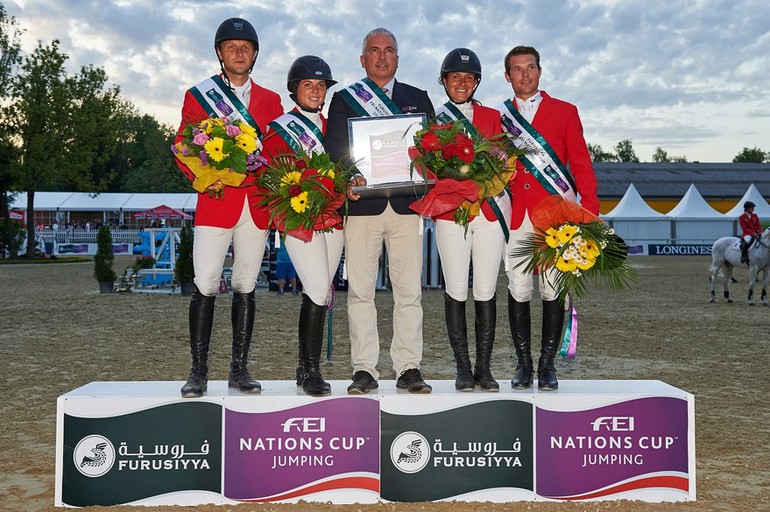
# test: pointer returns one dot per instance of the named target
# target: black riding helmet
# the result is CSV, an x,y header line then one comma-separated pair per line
x,y
461,60
236,28
748,204
308,67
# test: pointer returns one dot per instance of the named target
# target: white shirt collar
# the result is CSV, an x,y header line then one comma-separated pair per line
x,y
243,92
528,108
389,87
466,109
530,103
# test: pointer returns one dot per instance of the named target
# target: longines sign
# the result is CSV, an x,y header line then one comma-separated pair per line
x,y
679,250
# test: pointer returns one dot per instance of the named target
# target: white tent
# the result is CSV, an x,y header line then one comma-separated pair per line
x,y
44,201
752,194
635,221
109,206
696,222
83,202
140,202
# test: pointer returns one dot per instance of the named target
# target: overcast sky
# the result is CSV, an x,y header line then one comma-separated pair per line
x,y
689,76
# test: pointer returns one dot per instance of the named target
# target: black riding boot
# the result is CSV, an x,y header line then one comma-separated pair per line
x,y
244,306
201,318
553,321
311,327
486,320
457,331
744,251
521,331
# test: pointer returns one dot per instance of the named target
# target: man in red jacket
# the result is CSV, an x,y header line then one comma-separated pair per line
x,y
232,218
750,228
558,163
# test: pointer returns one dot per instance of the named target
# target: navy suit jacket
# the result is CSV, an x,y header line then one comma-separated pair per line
x,y
411,100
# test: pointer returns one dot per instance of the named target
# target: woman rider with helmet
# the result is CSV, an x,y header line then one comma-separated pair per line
x,y
220,221
484,241
750,227
316,262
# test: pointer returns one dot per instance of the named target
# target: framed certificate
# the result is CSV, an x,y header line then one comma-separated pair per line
x,y
379,147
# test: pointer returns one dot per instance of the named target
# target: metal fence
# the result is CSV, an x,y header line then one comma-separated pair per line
x,y
81,236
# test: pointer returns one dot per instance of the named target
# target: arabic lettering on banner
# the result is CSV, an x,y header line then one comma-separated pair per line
x,y
445,454
161,450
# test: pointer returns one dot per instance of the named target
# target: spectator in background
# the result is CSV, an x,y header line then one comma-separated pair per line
x,y
284,270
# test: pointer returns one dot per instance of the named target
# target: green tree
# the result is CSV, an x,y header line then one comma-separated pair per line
x,y
10,57
599,155
143,161
104,258
625,151
755,155
660,156
67,125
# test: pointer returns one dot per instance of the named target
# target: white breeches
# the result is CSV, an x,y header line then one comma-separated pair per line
x,y
210,248
317,262
484,243
521,284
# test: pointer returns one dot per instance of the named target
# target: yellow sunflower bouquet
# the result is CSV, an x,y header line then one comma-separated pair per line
x,y
304,194
578,245
219,150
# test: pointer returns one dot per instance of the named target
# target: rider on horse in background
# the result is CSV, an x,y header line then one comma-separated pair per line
x,y
751,228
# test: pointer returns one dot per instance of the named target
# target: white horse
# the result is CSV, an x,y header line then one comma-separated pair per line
x,y
727,252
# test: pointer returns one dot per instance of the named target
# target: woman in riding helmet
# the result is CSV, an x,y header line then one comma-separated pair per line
x,y
302,129
484,241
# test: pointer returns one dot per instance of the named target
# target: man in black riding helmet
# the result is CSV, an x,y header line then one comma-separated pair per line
x,y
226,214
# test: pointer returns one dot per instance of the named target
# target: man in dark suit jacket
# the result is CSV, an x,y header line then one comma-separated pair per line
x,y
373,221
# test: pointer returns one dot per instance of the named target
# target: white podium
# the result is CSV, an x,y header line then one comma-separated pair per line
x,y
139,443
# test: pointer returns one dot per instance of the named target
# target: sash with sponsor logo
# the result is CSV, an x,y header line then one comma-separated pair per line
x,y
219,101
300,133
448,113
541,160
368,100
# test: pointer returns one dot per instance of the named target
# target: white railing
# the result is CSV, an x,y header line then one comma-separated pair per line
x,y
81,236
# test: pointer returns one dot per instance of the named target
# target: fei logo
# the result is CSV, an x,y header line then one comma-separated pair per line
x,y
410,452
94,456
304,425
613,423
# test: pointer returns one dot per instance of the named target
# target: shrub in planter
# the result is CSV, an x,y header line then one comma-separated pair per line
x,y
184,272
104,260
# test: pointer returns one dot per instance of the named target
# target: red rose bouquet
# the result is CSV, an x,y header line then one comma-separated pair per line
x,y
303,193
467,169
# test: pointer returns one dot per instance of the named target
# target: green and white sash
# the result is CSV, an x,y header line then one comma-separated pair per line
x,y
541,160
300,133
219,101
448,113
368,100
